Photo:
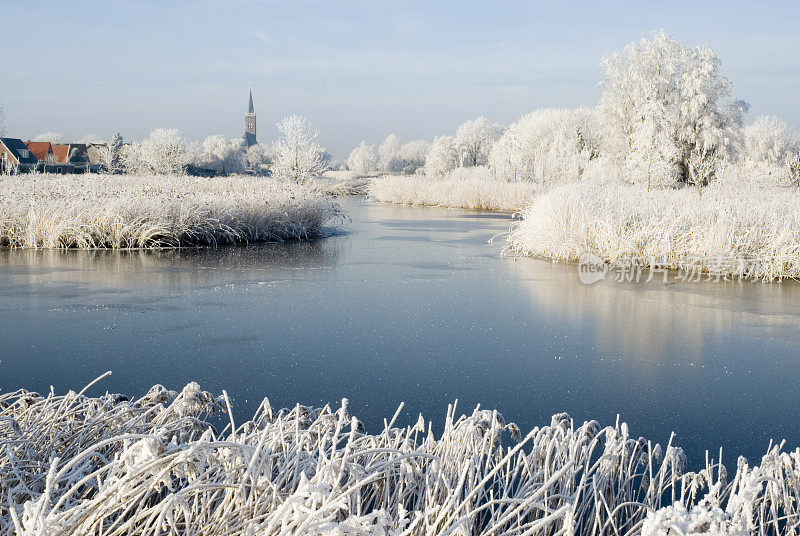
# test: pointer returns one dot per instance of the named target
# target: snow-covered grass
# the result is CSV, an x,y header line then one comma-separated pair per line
x,y
152,211
78,465
677,228
341,186
470,188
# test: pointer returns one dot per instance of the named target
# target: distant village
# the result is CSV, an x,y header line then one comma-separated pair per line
x,y
18,156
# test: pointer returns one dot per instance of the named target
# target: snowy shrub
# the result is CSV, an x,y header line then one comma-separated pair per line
x,y
258,157
362,159
297,154
668,110
155,465
546,146
771,140
222,155
154,211
163,152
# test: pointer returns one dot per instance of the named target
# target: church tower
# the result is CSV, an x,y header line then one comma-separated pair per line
x,y
250,124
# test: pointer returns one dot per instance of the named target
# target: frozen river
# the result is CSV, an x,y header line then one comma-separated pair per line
x,y
414,305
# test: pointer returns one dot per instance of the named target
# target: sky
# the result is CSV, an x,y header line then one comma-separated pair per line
x,y
357,69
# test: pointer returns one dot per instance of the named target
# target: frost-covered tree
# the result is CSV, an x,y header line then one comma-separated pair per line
x,y
111,156
222,154
52,137
770,140
163,152
668,108
258,157
546,146
298,155
362,159
474,139
91,139
413,154
442,157
389,158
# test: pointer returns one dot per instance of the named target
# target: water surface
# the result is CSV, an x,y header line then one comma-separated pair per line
x,y
414,305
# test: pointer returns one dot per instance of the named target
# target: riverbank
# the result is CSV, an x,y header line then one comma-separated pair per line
x,y
156,465
730,231
470,190
735,229
154,211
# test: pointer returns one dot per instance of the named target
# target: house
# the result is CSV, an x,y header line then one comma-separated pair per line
x,y
15,156
74,154
48,158
60,152
42,150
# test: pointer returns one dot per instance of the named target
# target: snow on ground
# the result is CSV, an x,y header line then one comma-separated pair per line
x,y
108,465
151,211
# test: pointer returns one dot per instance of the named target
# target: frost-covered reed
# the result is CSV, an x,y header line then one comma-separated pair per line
x,y
740,231
74,464
470,188
340,186
153,211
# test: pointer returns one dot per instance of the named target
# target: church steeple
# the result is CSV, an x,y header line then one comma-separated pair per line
x,y
250,123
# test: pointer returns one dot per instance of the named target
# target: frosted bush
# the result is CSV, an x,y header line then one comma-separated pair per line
x,y
222,154
770,140
163,152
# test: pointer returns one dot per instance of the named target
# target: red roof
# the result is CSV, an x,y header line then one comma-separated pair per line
x,y
40,149
61,152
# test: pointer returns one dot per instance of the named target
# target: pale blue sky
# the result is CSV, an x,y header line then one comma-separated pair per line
x,y
357,69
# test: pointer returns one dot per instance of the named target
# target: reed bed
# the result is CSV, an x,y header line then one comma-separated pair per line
x,y
148,211
730,231
340,187
464,188
75,464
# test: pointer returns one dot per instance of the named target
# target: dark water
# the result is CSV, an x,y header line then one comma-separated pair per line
x,y
412,304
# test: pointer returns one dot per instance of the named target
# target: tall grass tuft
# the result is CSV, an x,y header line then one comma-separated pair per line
x,y
148,211
107,465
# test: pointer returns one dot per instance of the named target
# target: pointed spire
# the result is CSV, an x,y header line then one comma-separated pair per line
x,y
250,109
